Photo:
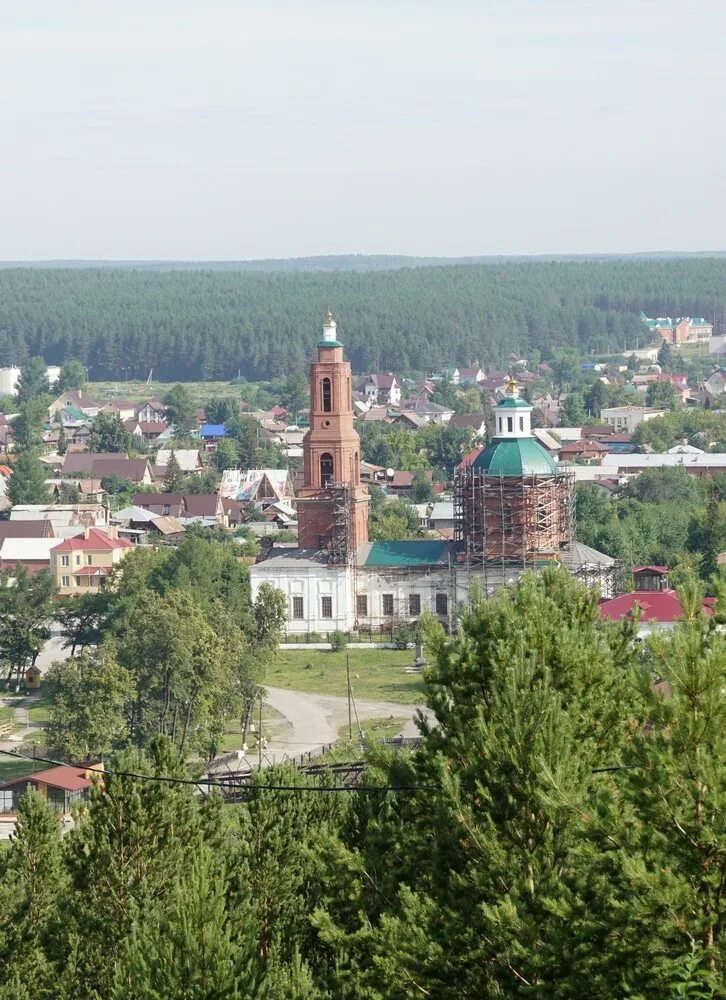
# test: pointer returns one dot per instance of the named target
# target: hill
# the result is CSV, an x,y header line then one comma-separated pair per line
x,y
201,323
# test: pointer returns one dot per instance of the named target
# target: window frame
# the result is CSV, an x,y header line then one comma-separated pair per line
x,y
297,610
361,605
387,602
414,604
326,605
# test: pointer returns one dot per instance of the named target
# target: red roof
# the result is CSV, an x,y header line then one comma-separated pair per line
x,y
91,571
655,606
662,570
66,777
469,459
96,540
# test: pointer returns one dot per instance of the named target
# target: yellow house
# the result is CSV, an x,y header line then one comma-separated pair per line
x,y
81,564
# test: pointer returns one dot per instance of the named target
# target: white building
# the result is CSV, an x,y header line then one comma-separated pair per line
x,y
626,418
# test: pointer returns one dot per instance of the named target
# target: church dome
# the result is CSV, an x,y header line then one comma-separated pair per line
x,y
521,456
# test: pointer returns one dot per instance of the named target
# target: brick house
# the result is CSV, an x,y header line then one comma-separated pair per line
x,y
80,565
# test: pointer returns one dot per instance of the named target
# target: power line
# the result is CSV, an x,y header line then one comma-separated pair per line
x,y
230,784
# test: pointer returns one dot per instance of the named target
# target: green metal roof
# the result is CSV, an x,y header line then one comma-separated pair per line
x,y
329,343
511,401
422,553
515,457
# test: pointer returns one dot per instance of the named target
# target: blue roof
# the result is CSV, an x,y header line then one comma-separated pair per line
x,y
213,430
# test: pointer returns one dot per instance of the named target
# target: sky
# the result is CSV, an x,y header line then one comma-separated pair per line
x,y
231,129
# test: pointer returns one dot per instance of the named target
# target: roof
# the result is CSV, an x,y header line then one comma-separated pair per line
x,y
470,458
167,525
188,458
26,529
660,570
243,484
158,499
105,464
69,778
96,540
213,430
293,557
201,504
515,457
27,549
134,513
414,553
401,480
655,606
474,420
442,511
578,555
91,571
152,426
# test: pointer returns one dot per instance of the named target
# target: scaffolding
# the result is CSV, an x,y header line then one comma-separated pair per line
x,y
339,548
512,519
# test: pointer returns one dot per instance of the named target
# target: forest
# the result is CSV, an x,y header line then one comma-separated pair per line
x,y
207,324
559,833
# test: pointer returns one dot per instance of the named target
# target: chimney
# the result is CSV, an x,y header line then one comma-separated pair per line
x,y
112,531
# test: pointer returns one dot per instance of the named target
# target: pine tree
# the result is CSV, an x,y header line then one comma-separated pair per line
x,y
33,879
174,478
62,446
27,483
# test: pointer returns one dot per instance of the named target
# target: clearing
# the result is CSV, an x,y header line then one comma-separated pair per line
x,y
375,674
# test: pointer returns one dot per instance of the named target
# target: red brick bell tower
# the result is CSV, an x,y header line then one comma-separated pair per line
x,y
332,506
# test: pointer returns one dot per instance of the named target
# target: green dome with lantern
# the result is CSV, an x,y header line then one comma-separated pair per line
x,y
513,451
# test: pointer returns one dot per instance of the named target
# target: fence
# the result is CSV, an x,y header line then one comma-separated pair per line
x,y
352,638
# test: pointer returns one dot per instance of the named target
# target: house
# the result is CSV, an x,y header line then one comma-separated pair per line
x,y
261,486
62,787
189,459
715,384
147,430
471,376
166,504
211,435
441,515
89,490
382,388
26,529
678,331
433,413
233,509
375,413
203,505
125,409
99,465
66,519
78,401
627,418
582,451
471,421
152,411
33,554
657,604
183,506
80,565
138,525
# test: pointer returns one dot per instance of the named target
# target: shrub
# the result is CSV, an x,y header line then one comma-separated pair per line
x,y
338,641
402,636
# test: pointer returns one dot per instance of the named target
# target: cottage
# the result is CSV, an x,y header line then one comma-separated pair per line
x,y
100,465
62,787
81,565
32,554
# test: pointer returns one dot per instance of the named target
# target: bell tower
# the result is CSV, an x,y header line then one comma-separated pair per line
x,y
332,505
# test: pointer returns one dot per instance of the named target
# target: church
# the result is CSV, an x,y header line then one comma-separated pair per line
x,y
513,511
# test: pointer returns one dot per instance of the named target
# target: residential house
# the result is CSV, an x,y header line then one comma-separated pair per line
x,y
256,486
76,400
657,605
471,376
715,384
80,565
125,409
183,506
63,788
441,515
233,510
626,418
375,413
589,452
66,519
148,430
189,459
471,421
165,504
446,375
26,529
382,388
433,413
33,554
152,411
99,465
211,435
139,526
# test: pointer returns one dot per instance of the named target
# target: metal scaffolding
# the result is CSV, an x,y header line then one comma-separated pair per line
x,y
513,519
339,549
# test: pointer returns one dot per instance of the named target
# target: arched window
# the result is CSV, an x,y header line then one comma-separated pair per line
x,y
327,395
326,469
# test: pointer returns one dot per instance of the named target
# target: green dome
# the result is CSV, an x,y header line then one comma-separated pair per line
x,y
515,457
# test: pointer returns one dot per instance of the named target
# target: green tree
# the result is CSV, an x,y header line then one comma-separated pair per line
x,y
72,376
226,456
33,380
422,490
594,399
573,413
90,695
565,370
396,520
62,446
665,356
27,483
295,394
180,410
108,434
26,611
662,394
246,434
221,409
28,425
83,619
174,477
33,880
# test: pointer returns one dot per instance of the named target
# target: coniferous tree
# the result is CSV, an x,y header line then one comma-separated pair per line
x,y
62,445
174,478
27,483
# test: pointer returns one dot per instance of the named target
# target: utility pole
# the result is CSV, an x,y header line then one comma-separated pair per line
x,y
347,677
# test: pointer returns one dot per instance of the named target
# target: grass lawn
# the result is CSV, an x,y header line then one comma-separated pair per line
x,y
375,674
137,390
376,729
6,714
38,709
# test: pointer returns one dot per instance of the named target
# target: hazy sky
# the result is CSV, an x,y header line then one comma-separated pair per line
x,y
218,129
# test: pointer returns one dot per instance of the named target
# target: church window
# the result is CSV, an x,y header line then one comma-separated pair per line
x,y
326,606
298,609
326,469
521,423
361,605
442,604
500,423
327,393
414,604
388,605
510,423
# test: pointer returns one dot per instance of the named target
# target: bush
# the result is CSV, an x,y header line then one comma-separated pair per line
x,y
402,636
338,641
